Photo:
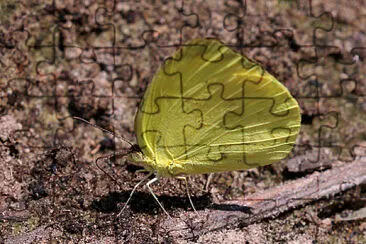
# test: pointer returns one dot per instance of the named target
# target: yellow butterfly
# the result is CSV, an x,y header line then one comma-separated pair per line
x,y
209,109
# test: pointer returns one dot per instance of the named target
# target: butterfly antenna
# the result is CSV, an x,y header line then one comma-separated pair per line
x,y
102,129
106,157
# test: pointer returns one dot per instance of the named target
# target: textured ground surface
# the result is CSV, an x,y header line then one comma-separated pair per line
x,y
94,59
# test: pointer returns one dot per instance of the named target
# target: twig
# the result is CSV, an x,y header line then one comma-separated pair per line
x,y
269,203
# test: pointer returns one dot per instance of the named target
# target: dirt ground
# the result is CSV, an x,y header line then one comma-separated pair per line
x,y
94,59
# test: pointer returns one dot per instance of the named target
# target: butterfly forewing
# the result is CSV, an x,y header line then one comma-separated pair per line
x,y
209,109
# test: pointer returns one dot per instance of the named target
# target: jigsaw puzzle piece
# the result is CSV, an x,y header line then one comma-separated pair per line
x,y
15,59
230,132
261,103
126,84
62,43
133,22
79,98
309,141
36,111
260,28
177,79
349,132
201,63
326,117
318,132
51,56
134,70
311,18
254,137
212,129
214,19
345,33
14,92
329,74
167,125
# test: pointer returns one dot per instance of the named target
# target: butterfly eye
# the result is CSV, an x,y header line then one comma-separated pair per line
x,y
136,157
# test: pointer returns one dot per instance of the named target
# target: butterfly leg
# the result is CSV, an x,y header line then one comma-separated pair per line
x,y
208,181
155,197
187,188
133,191
142,171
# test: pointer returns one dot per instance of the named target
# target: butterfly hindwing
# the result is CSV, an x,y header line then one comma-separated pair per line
x,y
210,109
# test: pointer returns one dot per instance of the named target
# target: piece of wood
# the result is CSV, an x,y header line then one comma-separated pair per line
x,y
269,203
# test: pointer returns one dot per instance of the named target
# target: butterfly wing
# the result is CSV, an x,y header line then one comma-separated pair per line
x,y
209,109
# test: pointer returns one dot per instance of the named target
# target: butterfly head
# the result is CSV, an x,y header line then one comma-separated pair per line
x,y
139,159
